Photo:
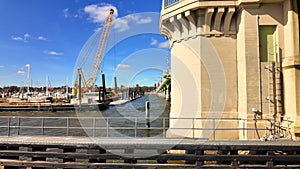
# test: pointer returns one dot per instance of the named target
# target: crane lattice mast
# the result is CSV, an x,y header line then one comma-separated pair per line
x,y
100,52
89,84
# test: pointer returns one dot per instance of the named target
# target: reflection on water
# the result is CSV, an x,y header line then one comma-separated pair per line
x,y
120,119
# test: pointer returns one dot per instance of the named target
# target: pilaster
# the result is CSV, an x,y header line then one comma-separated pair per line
x,y
291,63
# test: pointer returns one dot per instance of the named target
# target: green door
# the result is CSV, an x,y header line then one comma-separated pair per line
x,y
267,43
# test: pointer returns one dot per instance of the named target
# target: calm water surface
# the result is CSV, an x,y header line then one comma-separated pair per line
x,y
121,120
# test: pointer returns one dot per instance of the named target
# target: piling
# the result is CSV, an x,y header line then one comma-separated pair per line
x,y
116,84
147,108
103,85
79,90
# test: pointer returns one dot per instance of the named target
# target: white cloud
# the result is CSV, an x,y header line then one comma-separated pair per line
x,y
165,44
1,66
66,12
132,17
25,37
153,42
77,15
123,66
157,67
17,38
144,20
53,53
98,14
21,72
123,24
138,19
41,38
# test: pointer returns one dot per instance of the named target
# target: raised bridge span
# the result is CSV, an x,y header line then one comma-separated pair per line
x,y
66,146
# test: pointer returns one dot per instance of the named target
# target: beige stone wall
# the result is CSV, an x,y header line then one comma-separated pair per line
x,y
226,49
185,80
248,64
191,88
252,90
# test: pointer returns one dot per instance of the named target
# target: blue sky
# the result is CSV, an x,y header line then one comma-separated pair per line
x,y
49,35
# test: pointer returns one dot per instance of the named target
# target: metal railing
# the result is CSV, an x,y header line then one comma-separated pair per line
x,y
124,126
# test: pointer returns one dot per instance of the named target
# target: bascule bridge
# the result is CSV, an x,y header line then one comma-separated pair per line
x,y
233,59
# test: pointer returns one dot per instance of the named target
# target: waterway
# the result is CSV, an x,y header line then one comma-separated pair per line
x,y
120,120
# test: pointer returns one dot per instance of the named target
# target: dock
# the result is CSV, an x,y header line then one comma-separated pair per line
x,y
86,152
52,107
123,101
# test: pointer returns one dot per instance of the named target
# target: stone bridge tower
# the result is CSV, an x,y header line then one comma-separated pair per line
x,y
230,57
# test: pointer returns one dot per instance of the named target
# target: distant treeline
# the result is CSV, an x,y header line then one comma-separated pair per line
x,y
14,89
62,89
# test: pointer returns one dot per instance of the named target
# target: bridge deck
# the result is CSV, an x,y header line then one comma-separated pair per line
x,y
111,142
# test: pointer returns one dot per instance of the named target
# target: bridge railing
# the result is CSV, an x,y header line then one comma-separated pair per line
x,y
124,126
168,3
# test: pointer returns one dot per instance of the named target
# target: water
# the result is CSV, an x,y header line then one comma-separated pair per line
x,y
120,120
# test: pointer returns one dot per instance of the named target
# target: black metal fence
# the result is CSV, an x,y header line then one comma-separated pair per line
x,y
127,126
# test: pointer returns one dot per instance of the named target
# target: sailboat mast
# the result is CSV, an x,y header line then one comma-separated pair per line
x,y
67,87
28,78
47,85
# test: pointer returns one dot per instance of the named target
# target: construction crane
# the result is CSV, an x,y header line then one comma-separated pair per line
x,y
94,71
